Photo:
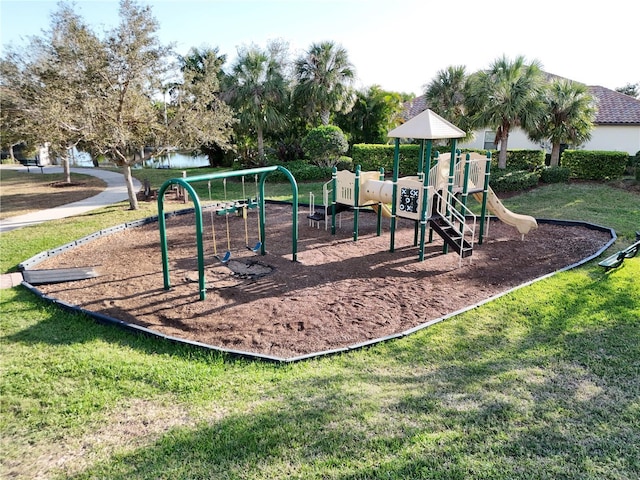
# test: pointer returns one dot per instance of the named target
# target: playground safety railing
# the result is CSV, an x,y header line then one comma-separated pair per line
x,y
326,202
312,211
440,171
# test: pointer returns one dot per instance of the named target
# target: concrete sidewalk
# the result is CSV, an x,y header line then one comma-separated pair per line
x,y
116,191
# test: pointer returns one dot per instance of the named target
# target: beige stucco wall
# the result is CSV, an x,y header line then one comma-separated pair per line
x,y
615,138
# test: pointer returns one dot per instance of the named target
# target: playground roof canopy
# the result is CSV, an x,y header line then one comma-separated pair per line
x,y
429,126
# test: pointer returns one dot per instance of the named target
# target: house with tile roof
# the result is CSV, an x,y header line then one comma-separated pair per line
x,y
616,127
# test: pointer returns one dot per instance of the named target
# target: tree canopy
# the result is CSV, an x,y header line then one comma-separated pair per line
x,y
505,96
568,114
72,86
324,77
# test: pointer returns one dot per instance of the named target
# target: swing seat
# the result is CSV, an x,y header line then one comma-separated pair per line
x,y
226,210
256,248
225,259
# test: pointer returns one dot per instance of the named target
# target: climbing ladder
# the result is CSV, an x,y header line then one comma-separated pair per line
x,y
449,217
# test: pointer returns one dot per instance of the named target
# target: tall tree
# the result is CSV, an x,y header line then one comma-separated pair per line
x,y
324,77
73,86
45,85
13,124
258,91
505,96
202,67
128,126
569,113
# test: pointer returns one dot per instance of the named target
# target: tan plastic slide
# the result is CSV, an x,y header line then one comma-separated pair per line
x,y
524,223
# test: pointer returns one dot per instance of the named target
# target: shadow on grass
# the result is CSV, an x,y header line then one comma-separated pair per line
x,y
531,394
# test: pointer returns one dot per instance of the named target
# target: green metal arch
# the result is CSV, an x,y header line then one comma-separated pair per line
x,y
186,184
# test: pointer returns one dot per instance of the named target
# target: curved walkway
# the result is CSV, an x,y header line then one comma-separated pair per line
x,y
115,191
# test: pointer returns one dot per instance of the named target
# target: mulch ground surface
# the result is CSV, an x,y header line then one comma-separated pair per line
x,y
338,293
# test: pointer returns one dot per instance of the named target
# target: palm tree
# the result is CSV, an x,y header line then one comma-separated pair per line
x,y
258,91
505,96
324,77
570,112
374,113
445,93
201,61
203,75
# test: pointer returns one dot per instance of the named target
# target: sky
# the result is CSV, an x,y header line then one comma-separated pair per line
x,y
399,45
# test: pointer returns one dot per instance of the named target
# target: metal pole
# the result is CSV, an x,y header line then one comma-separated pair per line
x,y
379,213
465,184
294,214
485,193
183,182
334,184
423,207
394,196
356,203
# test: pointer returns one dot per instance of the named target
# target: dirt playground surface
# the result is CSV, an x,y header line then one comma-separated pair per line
x,y
339,293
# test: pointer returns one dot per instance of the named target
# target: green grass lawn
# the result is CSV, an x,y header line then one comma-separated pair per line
x,y
539,384
234,189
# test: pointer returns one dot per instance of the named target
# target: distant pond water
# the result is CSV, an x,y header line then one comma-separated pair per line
x,y
170,160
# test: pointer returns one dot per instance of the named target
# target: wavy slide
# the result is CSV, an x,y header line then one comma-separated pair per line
x,y
524,223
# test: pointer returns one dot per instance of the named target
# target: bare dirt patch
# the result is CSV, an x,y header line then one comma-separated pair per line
x,y
337,294
24,192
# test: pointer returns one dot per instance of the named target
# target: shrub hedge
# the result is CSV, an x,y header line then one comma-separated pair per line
x,y
520,159
372,157
303,171
555,174
594,164
513,180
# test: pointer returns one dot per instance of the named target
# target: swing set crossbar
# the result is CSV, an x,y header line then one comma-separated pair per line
x,y
186,184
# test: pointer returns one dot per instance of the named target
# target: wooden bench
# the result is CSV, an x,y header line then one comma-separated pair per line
x,y
32,162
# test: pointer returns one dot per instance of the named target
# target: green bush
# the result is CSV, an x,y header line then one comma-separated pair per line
x,y
373,157
513,180
345,163
520,159
555,174
594,164
324,145
302,171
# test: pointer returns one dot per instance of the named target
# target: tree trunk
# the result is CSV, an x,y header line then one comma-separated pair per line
x,y
66,168
324,117
555,155
133,198
261,158
502,155
13,157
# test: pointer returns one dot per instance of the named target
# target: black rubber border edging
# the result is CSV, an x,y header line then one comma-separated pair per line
x,y
107,320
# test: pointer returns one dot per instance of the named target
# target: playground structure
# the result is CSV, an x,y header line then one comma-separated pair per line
x,y
435,197
226,209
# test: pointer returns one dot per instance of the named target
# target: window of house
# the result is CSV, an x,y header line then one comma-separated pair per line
x,y
489,140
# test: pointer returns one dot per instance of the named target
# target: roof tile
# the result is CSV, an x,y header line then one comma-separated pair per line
x,y
615,108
